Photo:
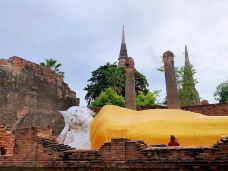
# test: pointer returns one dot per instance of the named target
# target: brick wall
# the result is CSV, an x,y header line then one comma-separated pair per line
x,y
7,140
210,109
28,147
120,154
34,92
97,109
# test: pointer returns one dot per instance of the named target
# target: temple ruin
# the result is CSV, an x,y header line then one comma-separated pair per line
x,y
171,83
188,77
128,64
31,95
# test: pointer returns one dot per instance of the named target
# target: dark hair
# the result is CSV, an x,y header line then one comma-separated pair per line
x,y
172,137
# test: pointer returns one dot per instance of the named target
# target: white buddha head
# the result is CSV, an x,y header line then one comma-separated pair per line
x,y
78,117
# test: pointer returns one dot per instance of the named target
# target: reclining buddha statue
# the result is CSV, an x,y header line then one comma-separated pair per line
x,y
154,126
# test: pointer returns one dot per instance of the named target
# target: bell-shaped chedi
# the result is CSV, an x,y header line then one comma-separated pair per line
x,y
31,95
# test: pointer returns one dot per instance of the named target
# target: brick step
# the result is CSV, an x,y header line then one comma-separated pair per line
x,y
48,141
56,146
53,145
60,148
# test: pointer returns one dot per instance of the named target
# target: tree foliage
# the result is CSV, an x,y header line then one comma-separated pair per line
x,y
221,93
186,85
53,65
109,96
141,83
110,75
148,99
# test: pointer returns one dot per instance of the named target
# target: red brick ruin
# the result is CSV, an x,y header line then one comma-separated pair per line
x,y
170,78
30,150
31,95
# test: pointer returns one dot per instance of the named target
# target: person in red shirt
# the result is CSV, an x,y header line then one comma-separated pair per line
x,y
173,141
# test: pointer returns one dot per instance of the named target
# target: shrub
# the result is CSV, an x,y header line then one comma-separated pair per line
x,y
221,93
148,99
109,96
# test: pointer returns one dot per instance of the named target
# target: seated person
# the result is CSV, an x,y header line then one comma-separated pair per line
x,y
173,141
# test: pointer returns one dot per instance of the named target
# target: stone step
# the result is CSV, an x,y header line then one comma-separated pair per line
x,y
57,146
53,145
60,148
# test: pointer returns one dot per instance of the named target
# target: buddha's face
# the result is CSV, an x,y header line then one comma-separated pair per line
x,y
78,117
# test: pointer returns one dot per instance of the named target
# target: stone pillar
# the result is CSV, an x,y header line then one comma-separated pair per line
x,y
122,62
170,77
130,95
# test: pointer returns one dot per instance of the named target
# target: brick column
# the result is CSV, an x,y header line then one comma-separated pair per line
x,y
130,95
170,77
118,149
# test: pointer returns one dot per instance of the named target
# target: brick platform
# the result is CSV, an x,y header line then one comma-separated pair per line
x,y
32,151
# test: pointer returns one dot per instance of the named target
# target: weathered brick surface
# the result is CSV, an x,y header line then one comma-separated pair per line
x,y
170,78
210,109
130,94
31,151
30,95
219,109
7,140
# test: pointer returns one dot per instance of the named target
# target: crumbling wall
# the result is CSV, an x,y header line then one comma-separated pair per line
x,y
220,109
208,109
34,92
27,146
6,141
31,151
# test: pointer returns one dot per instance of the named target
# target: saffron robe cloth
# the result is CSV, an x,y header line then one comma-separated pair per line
x,y
156,125
173,143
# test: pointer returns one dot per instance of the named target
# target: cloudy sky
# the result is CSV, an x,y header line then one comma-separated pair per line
x,y
84,34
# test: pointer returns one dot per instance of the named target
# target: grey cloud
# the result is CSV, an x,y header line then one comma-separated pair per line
x,y
84,34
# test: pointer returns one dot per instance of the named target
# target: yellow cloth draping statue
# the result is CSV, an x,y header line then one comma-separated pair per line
x,y
155,126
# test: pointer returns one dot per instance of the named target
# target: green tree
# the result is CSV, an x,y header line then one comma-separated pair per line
x,y
53,65
186,85
141,83
107,97
221,93
110,75
165,101
148,99
115,77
